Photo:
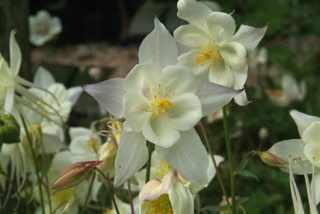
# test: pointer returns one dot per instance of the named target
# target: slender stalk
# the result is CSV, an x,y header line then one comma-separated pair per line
x,y
130,197
35,162
229,151
106,178
204,134
150,149
46,186
88,194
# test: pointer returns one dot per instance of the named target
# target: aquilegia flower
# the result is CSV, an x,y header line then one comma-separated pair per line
x,y
302,157
216,53
161,102
43,27
290,91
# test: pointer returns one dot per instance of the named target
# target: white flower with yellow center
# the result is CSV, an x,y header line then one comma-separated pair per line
x,y
216,53
43,27
168,191
161,103
84,144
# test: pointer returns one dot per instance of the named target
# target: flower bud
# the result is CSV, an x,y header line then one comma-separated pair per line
x,y
107,156
9,129
271,159
74,174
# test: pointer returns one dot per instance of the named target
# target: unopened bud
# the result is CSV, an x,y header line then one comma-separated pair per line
x,y
107,158
271,159
9,129
74,174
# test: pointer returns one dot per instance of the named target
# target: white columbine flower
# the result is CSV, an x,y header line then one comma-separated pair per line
x,y
290,91
161,102
302,156
168,189
216,53
43,27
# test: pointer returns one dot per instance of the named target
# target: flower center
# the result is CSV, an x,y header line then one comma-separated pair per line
x,y
160,102
43,29
163,169
160,205
208,54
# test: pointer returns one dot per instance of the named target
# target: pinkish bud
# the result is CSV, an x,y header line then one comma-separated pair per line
x,y
74,174
271,159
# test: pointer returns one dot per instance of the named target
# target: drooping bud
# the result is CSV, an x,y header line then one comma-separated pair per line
x,y
107,157
9,129
271,159
74,174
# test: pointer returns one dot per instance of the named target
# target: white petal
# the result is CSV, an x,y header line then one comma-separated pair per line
x,y
311,151
242,99
240,79
52,143
136,110
221,26
317,186
109,94
249,36
181,199
193,12
9,101
179,80
55,25
234,54
211,172
213,96
74,93
160,131
75,132
142,77
154,188
158,48
222,74
15,55
188,156
131,156
312,133
302,120
186,112
188,59
43,78
6,77
191,36
292,148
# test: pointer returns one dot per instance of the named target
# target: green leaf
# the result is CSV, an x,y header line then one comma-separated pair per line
x,y
245,163
249,174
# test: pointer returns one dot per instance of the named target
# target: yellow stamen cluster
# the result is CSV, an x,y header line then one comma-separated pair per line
x,y
163,169
208,54
160,103
160,205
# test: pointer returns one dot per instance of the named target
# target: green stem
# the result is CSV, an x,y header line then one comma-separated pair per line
x,y
88,194
204,134
229,151
35,162
150,149
106,178
130,197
